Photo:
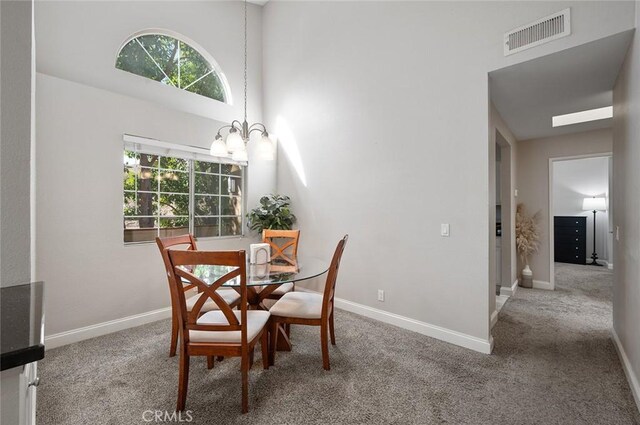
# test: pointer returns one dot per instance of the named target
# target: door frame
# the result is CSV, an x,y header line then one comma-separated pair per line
x,y
552,267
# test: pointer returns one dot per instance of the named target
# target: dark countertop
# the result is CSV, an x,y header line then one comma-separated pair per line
x,y
21,324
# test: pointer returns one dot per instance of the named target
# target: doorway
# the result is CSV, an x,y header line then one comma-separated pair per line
x,y
504,221
580,226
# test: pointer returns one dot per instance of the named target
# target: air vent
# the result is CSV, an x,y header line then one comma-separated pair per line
x,y
539,32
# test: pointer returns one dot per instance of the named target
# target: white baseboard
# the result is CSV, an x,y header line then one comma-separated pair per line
x,y
494,318
510,291
628,370
434,331
541,284
92,331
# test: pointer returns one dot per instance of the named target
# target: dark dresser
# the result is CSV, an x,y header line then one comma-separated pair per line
x,y
570,239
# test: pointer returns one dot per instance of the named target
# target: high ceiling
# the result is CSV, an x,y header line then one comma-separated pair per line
x,y
528,94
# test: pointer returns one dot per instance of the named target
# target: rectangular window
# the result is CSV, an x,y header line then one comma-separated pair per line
x,y
170,196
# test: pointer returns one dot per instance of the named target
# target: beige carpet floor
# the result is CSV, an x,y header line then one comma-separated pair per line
x,y
553,363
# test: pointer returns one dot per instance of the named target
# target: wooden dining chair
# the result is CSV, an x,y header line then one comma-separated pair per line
x,y
189,243
222,332
309,308
284,248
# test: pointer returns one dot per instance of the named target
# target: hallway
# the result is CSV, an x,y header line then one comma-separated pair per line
x,y
559,343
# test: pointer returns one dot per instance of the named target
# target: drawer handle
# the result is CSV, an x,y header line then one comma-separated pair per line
x,y
35,382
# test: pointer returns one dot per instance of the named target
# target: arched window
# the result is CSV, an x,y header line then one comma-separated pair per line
x,y
171,61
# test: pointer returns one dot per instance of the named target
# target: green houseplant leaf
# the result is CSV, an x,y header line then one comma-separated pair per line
x,y
274,212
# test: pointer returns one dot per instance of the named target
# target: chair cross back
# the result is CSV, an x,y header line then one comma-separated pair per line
x,y
205,292
278,251
172,241
222,258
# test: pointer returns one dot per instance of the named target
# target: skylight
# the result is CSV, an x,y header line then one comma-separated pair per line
x,y
583,116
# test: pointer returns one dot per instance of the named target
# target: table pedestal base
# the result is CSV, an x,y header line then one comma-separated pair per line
x,y
284,343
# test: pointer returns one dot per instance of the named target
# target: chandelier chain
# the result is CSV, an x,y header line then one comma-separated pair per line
x,y
245,60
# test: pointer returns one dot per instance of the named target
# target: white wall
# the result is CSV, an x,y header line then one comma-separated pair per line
x,y
15,173
626,212
573,180
15,133
91,276
533,182
215,26
382,110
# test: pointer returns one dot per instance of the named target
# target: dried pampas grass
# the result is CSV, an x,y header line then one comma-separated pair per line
x,y
527,234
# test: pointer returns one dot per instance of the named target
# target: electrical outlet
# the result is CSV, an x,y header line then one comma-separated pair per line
x,y
380,295
444,229
617,233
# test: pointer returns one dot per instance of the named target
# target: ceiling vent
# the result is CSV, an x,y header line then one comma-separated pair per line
x,y
539,32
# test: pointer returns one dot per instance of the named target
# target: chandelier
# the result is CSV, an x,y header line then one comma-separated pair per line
x,y
238,133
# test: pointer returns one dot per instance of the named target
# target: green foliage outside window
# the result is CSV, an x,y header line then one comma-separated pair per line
x,y
157,192
172,62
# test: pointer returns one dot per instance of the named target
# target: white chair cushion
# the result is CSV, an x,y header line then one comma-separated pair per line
x,y
228,295
256,321
283,289
304,305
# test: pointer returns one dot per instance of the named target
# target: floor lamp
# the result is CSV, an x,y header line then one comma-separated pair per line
x,y
594,204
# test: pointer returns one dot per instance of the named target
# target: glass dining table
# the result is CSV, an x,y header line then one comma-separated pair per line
x,y
263,279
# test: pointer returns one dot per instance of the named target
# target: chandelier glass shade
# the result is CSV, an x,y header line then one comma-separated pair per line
x,y
239,133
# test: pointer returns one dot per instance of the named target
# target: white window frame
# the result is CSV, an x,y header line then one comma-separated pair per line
x,y
190,153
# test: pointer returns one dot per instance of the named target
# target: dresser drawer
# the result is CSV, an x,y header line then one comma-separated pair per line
x,y
564,221
570,231
576,238
568,258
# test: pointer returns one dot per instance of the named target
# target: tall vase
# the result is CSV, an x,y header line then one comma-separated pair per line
x,y
527,277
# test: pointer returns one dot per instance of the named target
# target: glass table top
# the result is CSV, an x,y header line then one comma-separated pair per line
x,y
265,274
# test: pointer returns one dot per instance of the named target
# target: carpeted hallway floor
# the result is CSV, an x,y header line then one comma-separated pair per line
x,y
553,363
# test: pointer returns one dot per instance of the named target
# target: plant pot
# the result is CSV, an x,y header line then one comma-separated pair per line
x,y
527,277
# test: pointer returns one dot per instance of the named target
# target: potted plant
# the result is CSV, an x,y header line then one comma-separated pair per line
x,y
274,212
527,241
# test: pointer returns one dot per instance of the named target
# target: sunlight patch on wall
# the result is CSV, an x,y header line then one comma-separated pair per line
x,y
290,147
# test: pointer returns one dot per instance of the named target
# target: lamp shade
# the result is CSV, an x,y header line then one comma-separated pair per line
x,y
240,155
218,147
594,204
266,149
234,141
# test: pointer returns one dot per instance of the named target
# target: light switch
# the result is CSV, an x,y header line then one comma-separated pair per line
x,y
617,233
515,193
444,229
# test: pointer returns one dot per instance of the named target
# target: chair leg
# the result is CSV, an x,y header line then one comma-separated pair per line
x,y
324,342
183,381
174,335
332,331
210,362
245,383
264,345
274,342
